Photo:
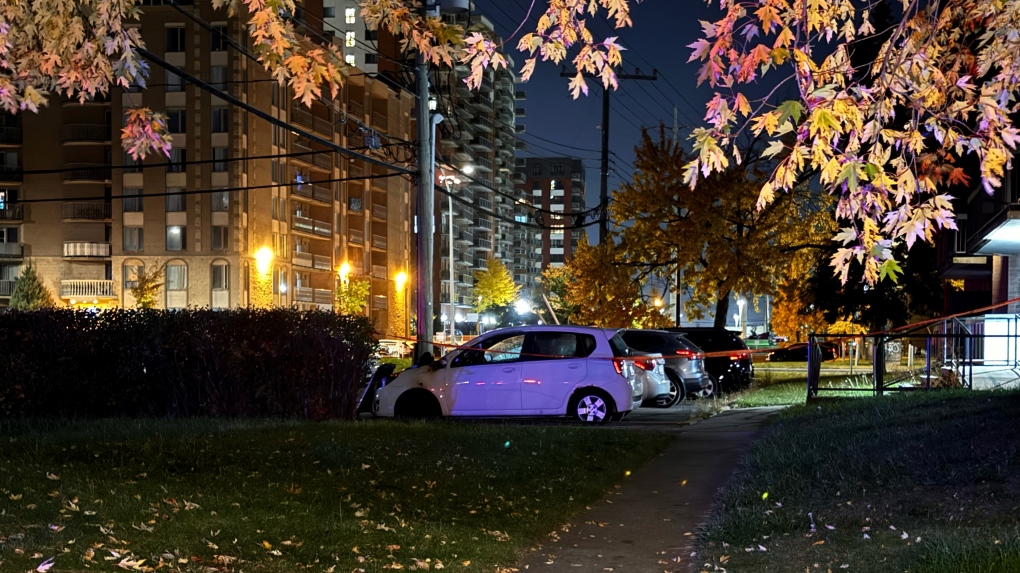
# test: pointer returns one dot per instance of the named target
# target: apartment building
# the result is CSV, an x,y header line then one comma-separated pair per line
x,y
555,185
478,130
243,212
981,260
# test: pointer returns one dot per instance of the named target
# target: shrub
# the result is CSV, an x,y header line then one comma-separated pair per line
x,y
243,362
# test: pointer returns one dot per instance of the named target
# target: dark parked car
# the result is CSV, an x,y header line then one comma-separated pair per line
x,y
799,353
685,362
727,358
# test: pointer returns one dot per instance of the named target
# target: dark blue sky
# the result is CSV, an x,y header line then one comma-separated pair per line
x,y
558,125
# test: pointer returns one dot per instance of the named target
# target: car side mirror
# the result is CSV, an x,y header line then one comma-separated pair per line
x,y
437,365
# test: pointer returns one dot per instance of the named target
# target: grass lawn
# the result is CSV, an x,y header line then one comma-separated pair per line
x,y
923,482
275,496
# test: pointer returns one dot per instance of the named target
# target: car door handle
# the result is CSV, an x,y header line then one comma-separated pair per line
x,y
509,369
574,365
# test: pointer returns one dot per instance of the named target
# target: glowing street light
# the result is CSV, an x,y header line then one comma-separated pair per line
x,y
344,272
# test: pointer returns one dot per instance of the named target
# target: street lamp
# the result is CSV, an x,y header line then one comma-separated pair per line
x,y
449,181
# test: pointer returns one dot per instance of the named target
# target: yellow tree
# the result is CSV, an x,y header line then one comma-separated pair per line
x,y
716,237
494,286
605,292
793,312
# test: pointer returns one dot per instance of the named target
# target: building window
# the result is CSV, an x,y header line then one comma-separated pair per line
x,y
176,285
220,120
220,280
219,237
176,119
132,200
178,160
350,15
174,82
176,201
350,38
557,169
274,171
219,159
218,77
175,236
134,239
219,38
350,59
220,201
328,12
8,234
131,165
371,58
131,273
536,169
175,39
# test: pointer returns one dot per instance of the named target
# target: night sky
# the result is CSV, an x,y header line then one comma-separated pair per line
x,y
558,125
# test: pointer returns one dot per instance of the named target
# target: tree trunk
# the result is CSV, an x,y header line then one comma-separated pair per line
x,y
722,309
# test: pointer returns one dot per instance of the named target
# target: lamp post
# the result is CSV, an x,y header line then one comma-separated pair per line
x,y
449,181
742,322
400,280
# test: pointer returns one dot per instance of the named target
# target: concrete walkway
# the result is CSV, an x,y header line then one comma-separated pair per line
x,y
648,524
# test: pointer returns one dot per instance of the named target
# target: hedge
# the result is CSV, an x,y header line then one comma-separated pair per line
x,y
182,363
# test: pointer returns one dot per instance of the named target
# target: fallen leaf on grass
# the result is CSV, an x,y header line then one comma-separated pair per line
x,y
819,542
45,565
53,477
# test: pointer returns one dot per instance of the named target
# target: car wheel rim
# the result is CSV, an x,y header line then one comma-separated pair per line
x,y
707,389
591,409
674,396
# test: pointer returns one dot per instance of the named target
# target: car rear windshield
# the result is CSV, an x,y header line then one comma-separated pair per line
x,y
619,347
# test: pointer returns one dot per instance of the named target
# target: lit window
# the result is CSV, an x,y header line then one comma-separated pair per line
x,y
350,15
350,38
349,58
174,240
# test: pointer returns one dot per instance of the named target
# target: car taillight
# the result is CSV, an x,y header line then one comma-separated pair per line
x,y
645,364
618,364
690,354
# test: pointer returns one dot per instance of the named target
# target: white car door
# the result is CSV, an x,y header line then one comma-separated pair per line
x,y
554,365
485,379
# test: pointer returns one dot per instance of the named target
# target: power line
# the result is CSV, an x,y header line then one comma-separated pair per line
x,y
172,164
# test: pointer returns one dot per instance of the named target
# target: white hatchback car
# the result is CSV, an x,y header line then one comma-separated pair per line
x,y
548,370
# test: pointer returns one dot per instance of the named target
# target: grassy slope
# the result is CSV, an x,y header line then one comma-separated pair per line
x,y
264,496
920,483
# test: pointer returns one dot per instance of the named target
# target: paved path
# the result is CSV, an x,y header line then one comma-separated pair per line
x,y
648,524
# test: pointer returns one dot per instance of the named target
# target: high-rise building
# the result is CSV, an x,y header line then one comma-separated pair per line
x,y
555,186
342,19
479,131
244,212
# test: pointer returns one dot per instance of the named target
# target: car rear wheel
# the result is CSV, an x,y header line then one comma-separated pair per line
x,y
591,406
676,390
709,387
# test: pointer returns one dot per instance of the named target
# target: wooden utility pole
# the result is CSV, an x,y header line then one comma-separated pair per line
x,y
604,166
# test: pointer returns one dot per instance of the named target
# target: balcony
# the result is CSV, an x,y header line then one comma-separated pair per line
x,y
86,289
313,192
319,158
482,245
86,133
481,143
87,173
483,164
378,212
9,174
11,250
313,295
86,250
379,271
12,212
482,122
7,288
311,226
379,242
356,237
10,136
86,211
379,121
306,119
308,260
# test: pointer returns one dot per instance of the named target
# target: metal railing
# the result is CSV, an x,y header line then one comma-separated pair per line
x,y
313,295
356,237
321,262
11,135
378,271
314,226
7,287
11,250
10,174
86,210
322,125
313,192
86,288
379,211
87,172
974,352
12,212
86,132
86,249
379,241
